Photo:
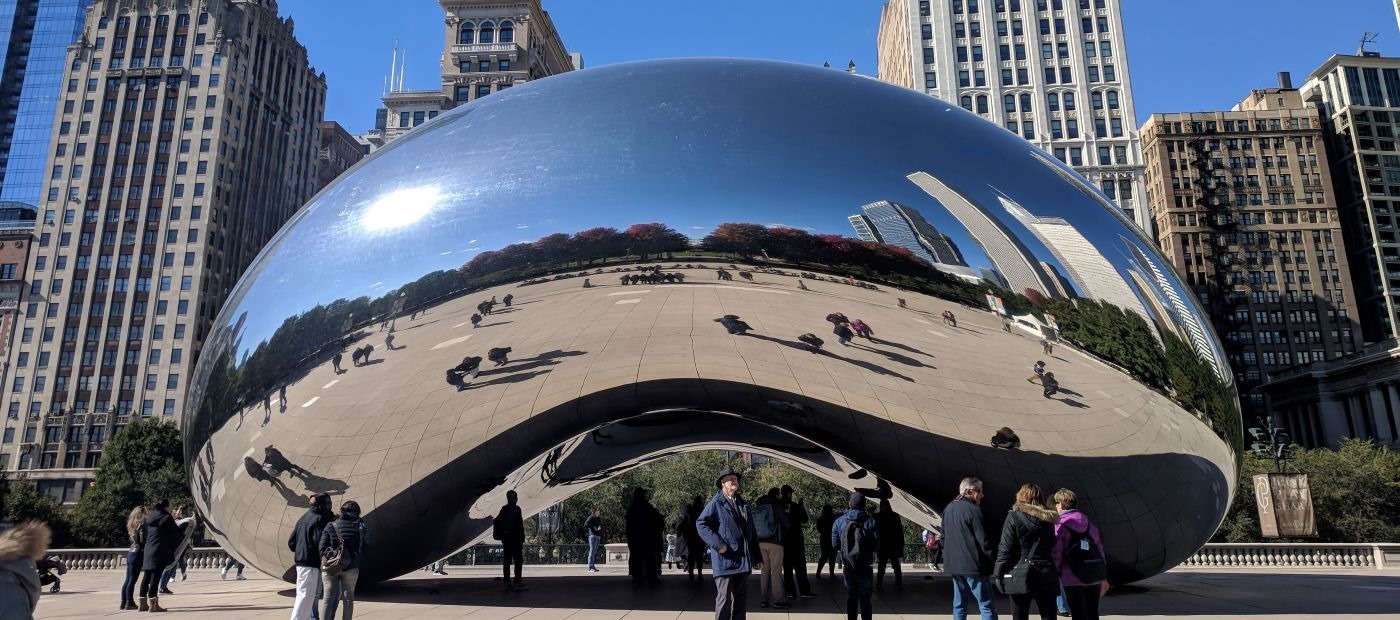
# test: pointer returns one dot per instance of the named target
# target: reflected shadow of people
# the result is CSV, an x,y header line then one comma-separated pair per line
x,y
514,377
257,472
875,368
495,323
900,346
894,357
1073,403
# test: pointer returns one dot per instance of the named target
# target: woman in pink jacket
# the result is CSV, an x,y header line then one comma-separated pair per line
x,y
1078,556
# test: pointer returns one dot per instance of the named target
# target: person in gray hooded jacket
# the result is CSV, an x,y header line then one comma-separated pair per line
x,y
20,547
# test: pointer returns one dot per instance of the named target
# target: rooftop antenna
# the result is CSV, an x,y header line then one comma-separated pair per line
x,y
393,67
403,67
1366,37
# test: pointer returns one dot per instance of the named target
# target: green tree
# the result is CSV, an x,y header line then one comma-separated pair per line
x,y
1355,492
143,463
23,502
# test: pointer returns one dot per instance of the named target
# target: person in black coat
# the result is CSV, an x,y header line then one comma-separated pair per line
x,y
509,528
891,544
1028,535
828,551
304,543
967,551
162,537
645,526
795,546
694,546
349,534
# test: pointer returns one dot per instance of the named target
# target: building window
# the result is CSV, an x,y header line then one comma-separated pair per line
x,y
507,34
465,34
487,33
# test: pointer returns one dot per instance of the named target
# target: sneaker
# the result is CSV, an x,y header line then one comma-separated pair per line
x,y
223,574
240,578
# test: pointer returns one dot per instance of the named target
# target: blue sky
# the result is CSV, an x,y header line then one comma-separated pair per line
x,y
1173,45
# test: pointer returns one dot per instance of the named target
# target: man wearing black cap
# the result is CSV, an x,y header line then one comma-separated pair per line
x,y
306,550
728,531
856,538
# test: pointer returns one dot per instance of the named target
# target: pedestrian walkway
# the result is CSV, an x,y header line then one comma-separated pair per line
x,y
559,592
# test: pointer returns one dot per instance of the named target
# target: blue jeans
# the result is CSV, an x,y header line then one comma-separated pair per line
x,y
133,573
1061,606
593,543
975,587
860,585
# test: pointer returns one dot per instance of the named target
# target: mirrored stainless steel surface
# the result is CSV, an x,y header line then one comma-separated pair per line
x,y
625,212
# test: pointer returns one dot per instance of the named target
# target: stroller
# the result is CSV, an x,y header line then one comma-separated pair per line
x,y
49,569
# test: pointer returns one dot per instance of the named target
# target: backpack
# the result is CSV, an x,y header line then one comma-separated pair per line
x,y
1085,559
334,559
765,522
856,544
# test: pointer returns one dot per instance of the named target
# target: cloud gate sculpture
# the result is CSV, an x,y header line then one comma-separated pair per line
x,y
616,217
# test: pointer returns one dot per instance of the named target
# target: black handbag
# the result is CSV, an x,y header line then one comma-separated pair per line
x,y
1018,582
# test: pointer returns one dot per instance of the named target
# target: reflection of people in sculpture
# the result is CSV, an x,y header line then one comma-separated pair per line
x,y
814,344
862,329
1047,346
476,319
508,299
499,355
587,283
335,361
389,341
282,397
458,375
1006,438
1037,372
733,324
257,472
278,463
1051,385
949,318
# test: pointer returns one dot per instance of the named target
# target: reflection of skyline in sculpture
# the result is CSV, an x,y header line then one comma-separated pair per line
x,y
895,224
1061,285
1178,313
1010,258
1088,269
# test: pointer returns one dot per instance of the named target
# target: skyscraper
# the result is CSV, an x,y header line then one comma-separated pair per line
x,y
187,136
1087,268
489,46
1359,99
898,225
34,36
1009,257
1243,209
1052,71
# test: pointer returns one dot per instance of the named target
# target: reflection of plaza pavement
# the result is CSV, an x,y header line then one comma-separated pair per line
x,y
559,592
375,430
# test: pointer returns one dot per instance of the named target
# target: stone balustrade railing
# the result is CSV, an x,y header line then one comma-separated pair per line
x,y
115,559
1299,555
1214,555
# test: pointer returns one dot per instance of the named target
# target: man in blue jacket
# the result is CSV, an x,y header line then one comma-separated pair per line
x,y
856,548
725,527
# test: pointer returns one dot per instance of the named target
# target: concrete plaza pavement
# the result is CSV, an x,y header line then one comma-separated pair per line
x,y
558,592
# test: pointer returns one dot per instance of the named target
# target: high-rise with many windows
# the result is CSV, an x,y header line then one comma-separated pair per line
x,y
34,37
1052,71
489,46
1244,209
187,135
1359,98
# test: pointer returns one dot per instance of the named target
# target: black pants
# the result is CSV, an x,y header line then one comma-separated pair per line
x,y
150,583
695,559
1044,603
795,570
512,552
828,556
1083,602
858,592
898,574
731,596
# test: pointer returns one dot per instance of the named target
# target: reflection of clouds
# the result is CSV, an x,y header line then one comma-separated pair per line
x,y
445,253
376,285
522,225
472,241
471,250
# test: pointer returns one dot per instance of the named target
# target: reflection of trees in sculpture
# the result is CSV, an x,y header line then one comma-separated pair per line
x,y
1122,338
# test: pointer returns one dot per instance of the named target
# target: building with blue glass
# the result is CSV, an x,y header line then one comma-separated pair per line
x,y
35,35
898,225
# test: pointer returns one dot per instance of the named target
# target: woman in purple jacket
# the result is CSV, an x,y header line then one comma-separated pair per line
x,y
1078,556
